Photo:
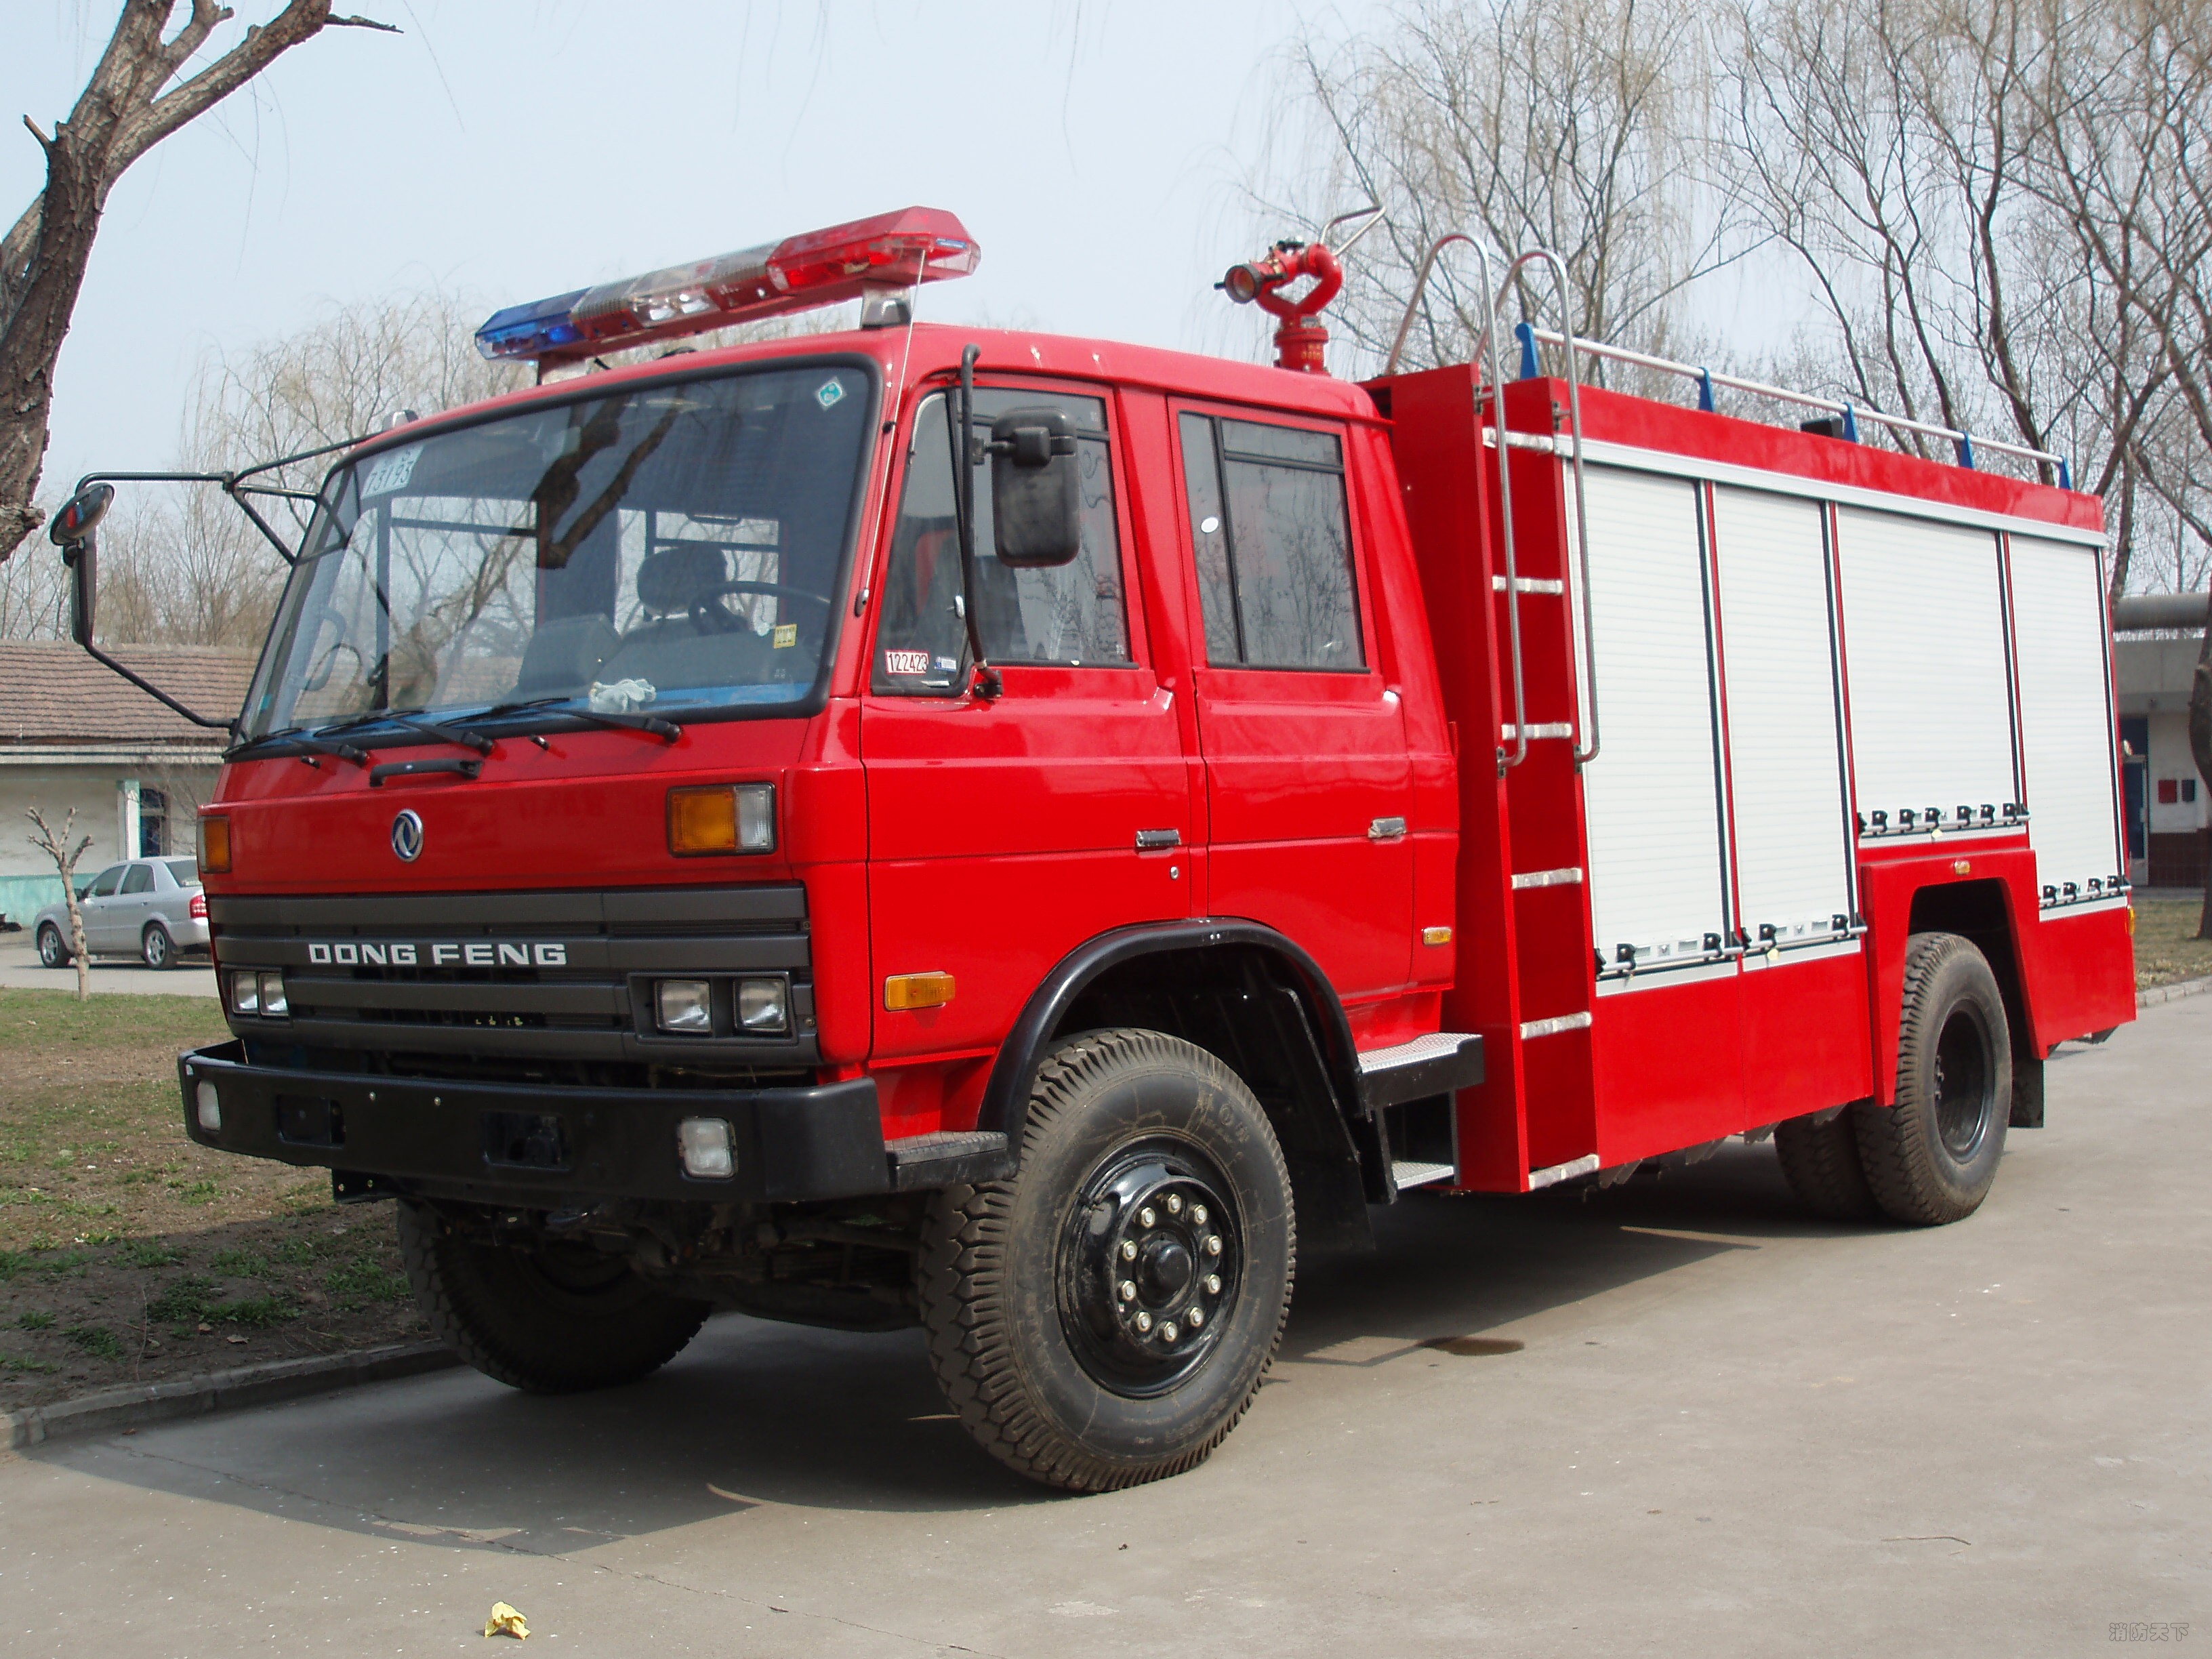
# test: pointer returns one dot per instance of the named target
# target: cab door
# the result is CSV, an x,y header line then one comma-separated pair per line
x,y
1309,782
1004,832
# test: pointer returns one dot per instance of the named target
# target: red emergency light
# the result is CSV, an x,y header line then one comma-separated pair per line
x,y
800,273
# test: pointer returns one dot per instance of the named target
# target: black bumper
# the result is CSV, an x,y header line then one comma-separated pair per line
x,y
513,1143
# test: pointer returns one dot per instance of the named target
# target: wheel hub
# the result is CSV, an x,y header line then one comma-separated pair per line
x,y
1150,1267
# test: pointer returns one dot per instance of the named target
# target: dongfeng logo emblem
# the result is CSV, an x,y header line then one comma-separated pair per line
x,y
407,837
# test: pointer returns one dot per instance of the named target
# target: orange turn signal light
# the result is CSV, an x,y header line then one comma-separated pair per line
x,y
1436,936
722,818
903,993
215,847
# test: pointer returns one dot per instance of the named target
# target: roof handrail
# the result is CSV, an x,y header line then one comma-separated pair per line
x,y
1965,442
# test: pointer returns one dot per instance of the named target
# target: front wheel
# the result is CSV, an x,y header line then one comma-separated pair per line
x,y
558,1319
158,950
52,953
1105,1317
1933,1157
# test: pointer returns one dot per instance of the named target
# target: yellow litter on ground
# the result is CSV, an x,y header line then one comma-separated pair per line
x,y
505,1621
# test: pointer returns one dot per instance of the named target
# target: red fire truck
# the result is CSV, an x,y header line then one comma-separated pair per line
x,y
1016,834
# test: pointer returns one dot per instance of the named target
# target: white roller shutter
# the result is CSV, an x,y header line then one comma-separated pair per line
x,y
1656,874
1930,686
1785,748
2065,715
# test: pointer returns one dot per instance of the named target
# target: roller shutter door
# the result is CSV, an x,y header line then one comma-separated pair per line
x,y
2065,716
1929,682
1786,750
1655,878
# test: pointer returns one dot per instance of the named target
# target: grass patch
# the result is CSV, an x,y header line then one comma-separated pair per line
x,y
100,1344
115,1226
2167,946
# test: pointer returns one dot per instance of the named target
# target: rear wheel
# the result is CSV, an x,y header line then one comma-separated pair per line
x,y
1932,1158
555,1319
1105,1317
1822,1163
52,953
157,948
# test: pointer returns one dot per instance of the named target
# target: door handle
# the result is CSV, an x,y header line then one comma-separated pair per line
x,y
1155,840
1386,829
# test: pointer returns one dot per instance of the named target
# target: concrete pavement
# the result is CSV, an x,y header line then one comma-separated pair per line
x,y
1728,1430
20,968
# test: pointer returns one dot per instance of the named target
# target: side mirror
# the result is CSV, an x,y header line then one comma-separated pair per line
x,y
72,531
1036,495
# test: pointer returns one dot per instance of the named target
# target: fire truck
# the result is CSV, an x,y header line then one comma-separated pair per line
x,y
1018,835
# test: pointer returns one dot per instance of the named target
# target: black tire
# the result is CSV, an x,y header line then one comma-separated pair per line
x,y
156,949
555,1321
1820,1161
1931,1158
1131,1141
52,953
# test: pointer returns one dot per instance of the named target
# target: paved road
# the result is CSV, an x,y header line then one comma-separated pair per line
x,y
20,968
1730,1431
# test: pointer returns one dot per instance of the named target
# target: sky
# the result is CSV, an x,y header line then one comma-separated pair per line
x,y
1098,152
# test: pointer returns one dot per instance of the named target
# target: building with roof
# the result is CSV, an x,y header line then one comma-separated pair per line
x,y
73,735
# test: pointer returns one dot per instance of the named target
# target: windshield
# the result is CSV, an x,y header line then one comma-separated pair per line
x,y
670,545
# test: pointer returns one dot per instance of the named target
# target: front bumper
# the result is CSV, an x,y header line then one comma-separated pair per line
x,y
504,1143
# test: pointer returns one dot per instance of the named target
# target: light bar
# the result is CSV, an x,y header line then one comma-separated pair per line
x,y
800,273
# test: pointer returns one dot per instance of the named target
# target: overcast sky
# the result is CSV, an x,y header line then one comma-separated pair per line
x,y
516,150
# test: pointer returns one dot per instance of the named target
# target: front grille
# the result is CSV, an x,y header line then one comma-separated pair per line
x,y
554,976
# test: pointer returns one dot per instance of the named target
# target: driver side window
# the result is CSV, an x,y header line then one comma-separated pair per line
x,y
1071,617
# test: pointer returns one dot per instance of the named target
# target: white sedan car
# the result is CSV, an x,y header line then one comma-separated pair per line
x,y
152,909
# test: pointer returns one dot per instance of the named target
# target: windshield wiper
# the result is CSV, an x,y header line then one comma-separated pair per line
x,y
668,730
300,738
411,719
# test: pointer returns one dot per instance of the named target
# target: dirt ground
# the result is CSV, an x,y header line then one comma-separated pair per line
x,y
127,1254
2167,946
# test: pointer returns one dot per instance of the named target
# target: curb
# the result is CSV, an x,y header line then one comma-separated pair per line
x,y
220,1391
2173,993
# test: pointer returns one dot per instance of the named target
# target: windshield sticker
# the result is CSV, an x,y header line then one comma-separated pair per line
x,y
787,635
947,664
830,393
621,696
387,473
906,662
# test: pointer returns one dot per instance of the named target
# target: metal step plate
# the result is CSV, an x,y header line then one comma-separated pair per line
x,y
1431,1064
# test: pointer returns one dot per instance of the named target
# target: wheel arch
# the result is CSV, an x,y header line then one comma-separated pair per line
x,y
1248,995
1980,911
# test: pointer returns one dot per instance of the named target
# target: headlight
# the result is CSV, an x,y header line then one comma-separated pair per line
x,y
273,1003
683,1005
764,1005
245,993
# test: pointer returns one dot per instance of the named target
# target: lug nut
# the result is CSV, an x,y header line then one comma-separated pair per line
x,y
1128,1290
1198,1215
1128,1249
1168,1332
1213,1244
1145,1217
1144,1321
1195,1317
1174,1203
1214,1283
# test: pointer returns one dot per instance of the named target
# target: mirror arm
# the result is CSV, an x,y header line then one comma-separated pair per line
x,y
966,458
72,553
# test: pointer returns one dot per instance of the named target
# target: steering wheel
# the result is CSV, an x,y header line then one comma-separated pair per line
x,y
711,618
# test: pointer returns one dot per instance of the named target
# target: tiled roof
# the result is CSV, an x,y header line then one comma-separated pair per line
x,y
55,694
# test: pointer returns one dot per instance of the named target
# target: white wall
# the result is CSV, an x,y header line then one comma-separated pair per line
x,y
2170,759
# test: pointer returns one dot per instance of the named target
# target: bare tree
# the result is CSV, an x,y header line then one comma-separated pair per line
x,y
57,848
128,106
1575,126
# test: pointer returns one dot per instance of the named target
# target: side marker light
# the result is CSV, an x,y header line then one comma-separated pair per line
x,y
904,993
1436,936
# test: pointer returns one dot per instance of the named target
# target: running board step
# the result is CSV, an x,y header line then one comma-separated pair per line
x,y
921,1161
1406,1174
1431,1065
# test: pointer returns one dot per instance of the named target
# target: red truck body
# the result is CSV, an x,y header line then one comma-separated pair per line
x,y
1671,900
